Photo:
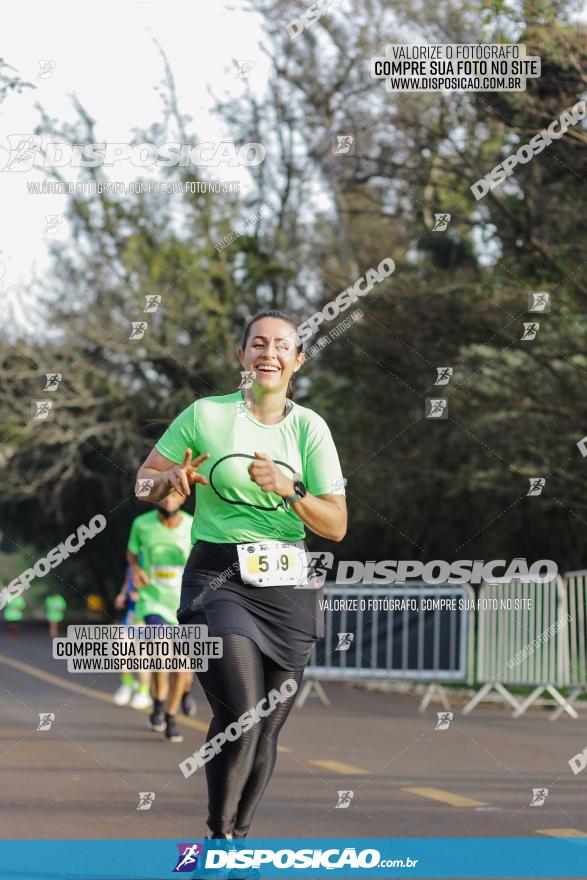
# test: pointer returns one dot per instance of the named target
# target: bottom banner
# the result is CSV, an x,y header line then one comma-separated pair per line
x,y
365,858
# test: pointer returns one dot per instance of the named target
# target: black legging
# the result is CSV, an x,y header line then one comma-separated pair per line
x,y
238,775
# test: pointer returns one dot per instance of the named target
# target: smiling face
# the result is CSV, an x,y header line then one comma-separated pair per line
x,y
270,353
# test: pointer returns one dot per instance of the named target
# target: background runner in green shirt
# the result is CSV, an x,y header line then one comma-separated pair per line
x,y
161,552
13,614
14,609
55,606
158,547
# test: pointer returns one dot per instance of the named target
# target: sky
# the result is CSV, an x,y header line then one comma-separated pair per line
x,y
107,57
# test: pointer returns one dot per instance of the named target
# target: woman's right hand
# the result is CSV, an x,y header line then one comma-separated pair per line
x,y
181,476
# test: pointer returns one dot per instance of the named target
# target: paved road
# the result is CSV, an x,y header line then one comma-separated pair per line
x,y
82,778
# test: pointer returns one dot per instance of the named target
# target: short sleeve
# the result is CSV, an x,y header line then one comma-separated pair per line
x,y
134,541
179,436
323,475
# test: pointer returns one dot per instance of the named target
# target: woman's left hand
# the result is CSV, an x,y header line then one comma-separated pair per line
x,y
265,473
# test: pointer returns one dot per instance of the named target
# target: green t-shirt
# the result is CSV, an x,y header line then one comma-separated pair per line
x,y
54,607
14,609
232,508
163,553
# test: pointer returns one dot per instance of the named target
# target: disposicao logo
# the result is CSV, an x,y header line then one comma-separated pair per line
x,y
187,860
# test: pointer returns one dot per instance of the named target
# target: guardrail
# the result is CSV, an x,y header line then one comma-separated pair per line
x,y
576,600
521,640
366,639
529,633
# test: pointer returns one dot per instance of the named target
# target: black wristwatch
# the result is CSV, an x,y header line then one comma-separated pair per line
x,y
299,489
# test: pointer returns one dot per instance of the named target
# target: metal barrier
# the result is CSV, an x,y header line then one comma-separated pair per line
x,y
576,599
521,640
371,641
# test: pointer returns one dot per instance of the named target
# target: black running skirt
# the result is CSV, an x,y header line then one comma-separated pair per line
x,y
284,622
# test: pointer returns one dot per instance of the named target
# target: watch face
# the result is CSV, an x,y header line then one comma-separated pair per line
x,y
299,488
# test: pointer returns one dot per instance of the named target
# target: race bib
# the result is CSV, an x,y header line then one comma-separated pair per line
x,y
273,563
167,575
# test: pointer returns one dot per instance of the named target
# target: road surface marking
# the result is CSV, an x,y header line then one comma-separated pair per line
x,y
562,832
437,794
339,767
93,693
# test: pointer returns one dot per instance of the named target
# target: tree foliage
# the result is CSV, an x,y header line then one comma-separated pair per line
x,y
417,488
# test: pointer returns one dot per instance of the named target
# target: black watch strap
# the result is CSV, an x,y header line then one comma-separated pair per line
x,y
299,489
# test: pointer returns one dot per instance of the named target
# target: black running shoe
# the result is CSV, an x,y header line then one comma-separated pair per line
x,y
172,733
157,721
188,705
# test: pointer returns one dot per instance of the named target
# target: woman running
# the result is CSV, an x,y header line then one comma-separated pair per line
x,y
265,468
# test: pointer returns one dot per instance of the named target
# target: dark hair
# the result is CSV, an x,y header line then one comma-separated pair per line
x,y
274,313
